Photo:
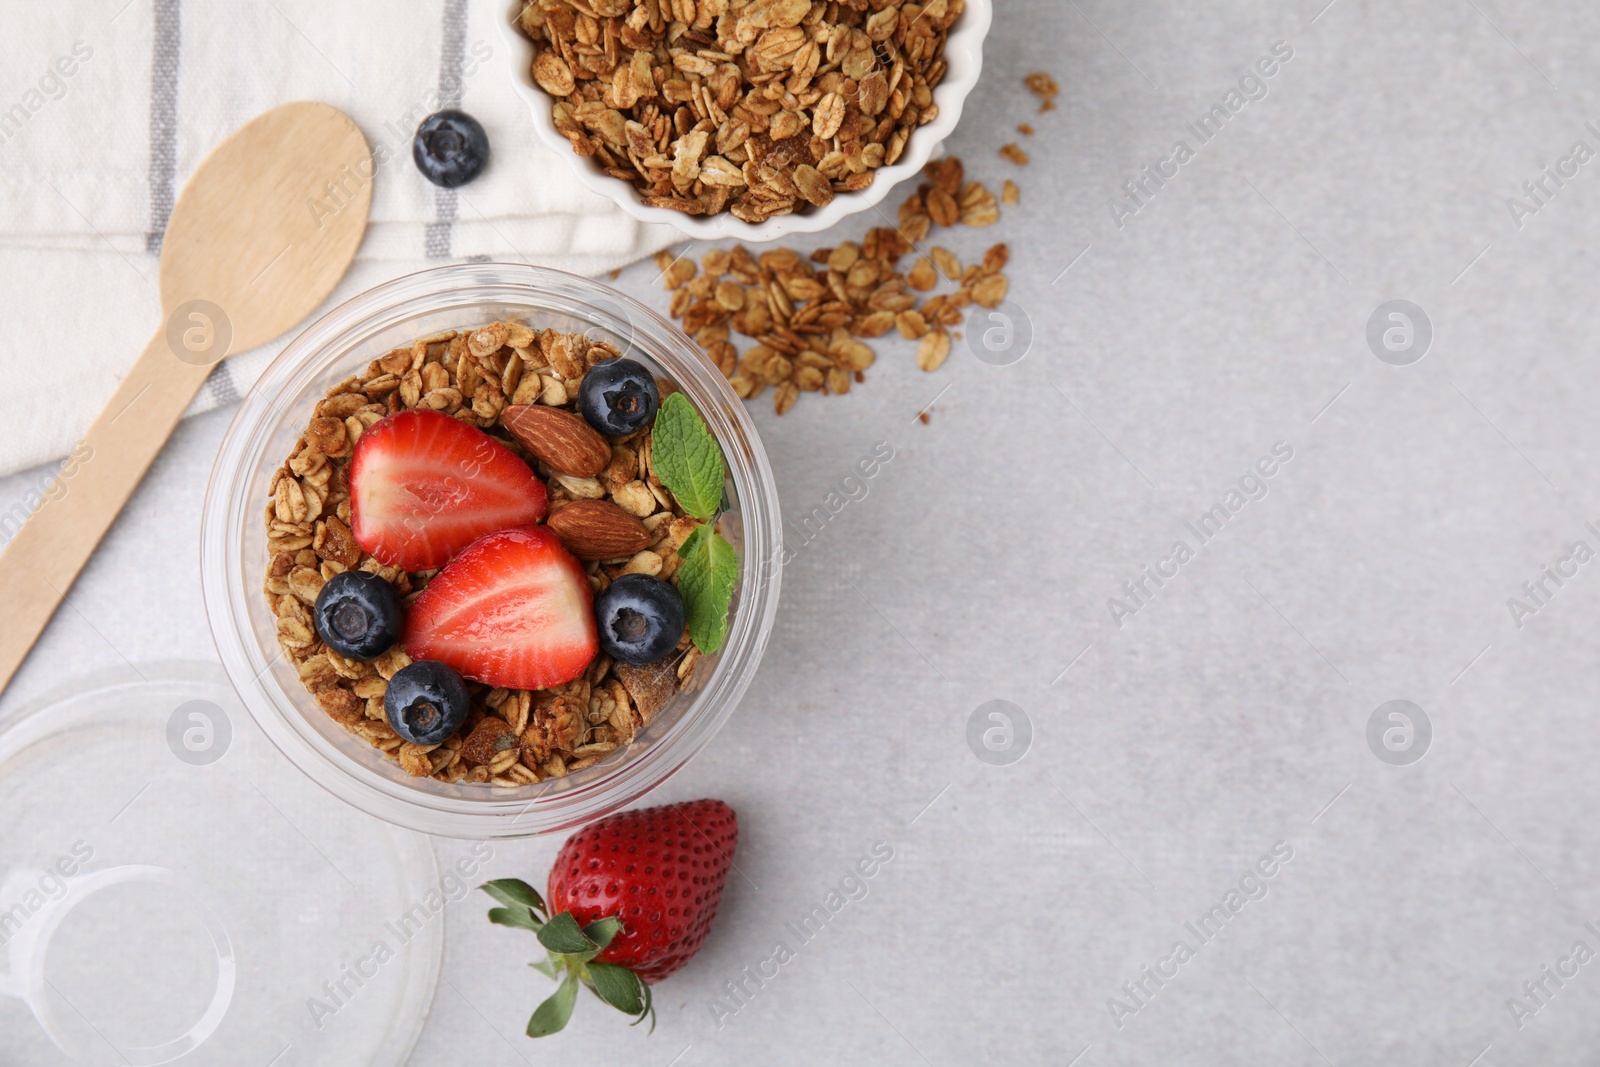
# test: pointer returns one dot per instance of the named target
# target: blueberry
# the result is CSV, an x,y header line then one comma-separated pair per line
x,y
358,615
618,396
640,617
450,148
426,702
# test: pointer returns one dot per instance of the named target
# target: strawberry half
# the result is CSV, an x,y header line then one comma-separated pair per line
x,y
513,610
424,485
632,899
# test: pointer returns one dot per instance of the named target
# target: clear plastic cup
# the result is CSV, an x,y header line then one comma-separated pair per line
x,y
234,548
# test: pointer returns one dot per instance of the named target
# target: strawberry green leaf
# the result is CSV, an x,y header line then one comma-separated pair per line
x,y
618,987
549,1017
601,931
649,1008
514,892
686,457
520,918
562,934
706,579
547,967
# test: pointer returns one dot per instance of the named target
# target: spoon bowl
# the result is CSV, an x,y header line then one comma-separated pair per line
x,y
269,222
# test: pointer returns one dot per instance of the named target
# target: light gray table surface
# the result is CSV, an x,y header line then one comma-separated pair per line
x,y
1173,747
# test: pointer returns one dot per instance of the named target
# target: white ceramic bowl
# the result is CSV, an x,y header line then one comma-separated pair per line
x,y
963,53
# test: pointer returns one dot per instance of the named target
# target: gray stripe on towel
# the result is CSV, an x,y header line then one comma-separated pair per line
x,y
452,57
168,38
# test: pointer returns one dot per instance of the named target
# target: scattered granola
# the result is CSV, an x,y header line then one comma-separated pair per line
x,y
757,107
1045,88
1010,195
1025,129
510,737
1014,154
810,315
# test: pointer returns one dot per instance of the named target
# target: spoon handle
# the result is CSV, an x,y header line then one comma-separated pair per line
x,y
44,558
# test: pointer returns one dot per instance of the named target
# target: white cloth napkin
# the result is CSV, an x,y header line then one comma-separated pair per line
x,y
106,107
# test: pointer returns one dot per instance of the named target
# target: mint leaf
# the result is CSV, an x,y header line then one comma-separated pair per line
x,y
706,579
552,1015
561,934
514,892
686,457
618,987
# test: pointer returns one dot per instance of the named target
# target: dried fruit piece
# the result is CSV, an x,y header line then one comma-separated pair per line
x,y
491,738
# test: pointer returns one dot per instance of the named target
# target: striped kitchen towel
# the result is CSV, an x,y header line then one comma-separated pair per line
x,y
106,106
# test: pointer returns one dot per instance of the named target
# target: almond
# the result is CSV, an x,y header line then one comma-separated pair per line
x,y
560,439
598,529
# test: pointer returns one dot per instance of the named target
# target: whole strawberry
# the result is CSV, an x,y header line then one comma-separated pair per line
x,y
633,898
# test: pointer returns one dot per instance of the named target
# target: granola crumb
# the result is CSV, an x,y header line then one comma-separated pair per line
x,y
923,418
1025,129
1009,193
1044,87
1014,154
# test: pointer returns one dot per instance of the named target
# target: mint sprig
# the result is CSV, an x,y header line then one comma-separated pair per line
x,y
689,463
571,951
706,578
686,457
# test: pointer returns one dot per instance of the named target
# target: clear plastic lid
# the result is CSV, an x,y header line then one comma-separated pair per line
x,y
171,888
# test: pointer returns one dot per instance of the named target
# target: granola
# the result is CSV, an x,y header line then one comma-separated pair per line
x,y
811,315
510,737
1045,88
755,107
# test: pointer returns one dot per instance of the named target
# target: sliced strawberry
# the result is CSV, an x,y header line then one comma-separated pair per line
x,y
423,486
513,610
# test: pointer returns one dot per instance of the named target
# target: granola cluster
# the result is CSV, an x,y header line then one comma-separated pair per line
x,y
810,315
757,107
510,737
1043,86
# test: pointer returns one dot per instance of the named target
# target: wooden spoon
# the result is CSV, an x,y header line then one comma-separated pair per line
x,y
261,234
